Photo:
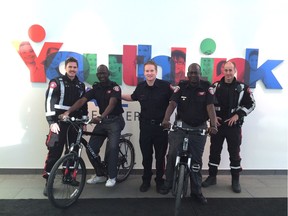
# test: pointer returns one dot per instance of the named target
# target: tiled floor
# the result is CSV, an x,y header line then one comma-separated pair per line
x,y
31,187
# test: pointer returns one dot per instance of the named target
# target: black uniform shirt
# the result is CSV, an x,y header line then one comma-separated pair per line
x,y
61,94
102,94
153,99
192,102
233,98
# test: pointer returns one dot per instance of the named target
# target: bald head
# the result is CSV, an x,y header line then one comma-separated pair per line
x,y
102,68
194,67
194,71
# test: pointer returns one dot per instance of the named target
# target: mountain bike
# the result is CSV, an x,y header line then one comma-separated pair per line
x,y
183,166
68,176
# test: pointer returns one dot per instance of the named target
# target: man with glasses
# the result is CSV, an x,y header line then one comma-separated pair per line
x,y
234,101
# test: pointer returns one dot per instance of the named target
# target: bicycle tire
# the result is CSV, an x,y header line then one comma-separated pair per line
x,y
126,160
179,189
65,183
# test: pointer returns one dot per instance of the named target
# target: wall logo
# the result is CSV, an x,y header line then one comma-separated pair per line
x,y
128,67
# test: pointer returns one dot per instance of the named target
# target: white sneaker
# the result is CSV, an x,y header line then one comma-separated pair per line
x,y
96,179
110,182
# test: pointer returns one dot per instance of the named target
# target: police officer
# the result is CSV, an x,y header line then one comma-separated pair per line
x,y
194,100
153,95
234,101
62,93
110,123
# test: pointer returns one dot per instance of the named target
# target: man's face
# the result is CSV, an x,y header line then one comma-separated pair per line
x,y
71,69
150,72
194,74
229,72
102,75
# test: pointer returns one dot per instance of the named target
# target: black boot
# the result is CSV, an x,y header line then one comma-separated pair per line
x,y
235,183
211,180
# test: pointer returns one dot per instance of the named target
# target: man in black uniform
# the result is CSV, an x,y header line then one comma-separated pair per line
x,y
110,123
194,100
62,93
153,95
234,101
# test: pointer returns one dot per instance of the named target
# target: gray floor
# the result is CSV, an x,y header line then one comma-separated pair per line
x,y
31,187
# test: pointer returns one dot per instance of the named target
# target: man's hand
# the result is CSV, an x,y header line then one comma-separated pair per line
x,y
218,120
96,120
212,130
64,116
55,128
166,124
233,120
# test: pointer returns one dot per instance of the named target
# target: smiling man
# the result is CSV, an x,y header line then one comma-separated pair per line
x,y
234,101
110,122
62,92
194,103
153,95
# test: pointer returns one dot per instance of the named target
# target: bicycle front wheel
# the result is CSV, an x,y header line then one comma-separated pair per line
x,y
66,180
126,160
179,188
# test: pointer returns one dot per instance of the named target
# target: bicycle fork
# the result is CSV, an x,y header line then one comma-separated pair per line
x,y
71,168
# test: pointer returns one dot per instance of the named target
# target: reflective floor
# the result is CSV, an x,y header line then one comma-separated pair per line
x,y
28,186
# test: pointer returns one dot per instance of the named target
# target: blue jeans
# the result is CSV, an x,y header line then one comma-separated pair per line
x,y
111,128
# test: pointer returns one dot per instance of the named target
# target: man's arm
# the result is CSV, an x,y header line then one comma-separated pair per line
x,y
77,105
170,109
213,120
247,104
126,97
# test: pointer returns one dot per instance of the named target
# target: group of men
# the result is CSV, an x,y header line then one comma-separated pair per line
x,y
220,107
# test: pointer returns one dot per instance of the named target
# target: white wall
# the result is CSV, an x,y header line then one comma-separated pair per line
x,y
103,27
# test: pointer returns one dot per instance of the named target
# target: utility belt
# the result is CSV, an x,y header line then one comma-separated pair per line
x,y
150,121
112,116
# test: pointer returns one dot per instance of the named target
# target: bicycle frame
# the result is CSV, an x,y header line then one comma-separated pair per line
x,y
183,166
68,176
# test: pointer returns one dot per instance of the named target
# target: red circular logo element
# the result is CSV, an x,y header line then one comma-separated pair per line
x,y
36,33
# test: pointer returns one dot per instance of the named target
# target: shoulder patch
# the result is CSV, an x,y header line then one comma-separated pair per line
x,y
116,88
53,85
211,90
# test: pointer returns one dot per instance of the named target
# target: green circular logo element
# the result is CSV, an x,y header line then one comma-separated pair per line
x,y
208,46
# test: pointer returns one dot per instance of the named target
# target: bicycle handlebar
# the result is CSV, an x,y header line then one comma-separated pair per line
x,y
194,130
84,120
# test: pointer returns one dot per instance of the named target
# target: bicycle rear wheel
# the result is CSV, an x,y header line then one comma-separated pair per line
x,y
126,160
66,180
179,188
